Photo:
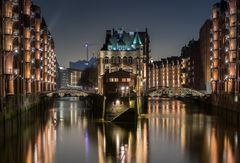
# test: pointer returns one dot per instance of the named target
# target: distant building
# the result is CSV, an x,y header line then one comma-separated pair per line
x,y
190,65
63,77
83,64
74,77
68,77
165,73
124,53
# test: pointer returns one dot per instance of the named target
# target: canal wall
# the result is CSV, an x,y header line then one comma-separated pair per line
x,y
12,128
108,108
225,101
223,105
129,116
16,105
226,107
98,106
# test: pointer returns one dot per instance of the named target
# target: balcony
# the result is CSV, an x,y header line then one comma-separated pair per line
x,y
15,2
16,33
15,17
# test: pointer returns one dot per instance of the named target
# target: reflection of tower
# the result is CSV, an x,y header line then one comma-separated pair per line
x,y
127,143
101,144
142,139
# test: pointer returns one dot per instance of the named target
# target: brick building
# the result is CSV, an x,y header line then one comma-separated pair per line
x,y
225,58
27,57
125,51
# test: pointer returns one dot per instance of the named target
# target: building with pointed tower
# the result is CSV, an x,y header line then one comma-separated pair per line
x,y
123,63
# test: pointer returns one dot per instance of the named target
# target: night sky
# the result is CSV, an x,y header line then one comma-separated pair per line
x,y
171,23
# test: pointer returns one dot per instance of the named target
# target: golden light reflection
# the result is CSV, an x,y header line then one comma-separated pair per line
x,y
228,152
142,143
101,146
213,147
190,129
171,125
44,146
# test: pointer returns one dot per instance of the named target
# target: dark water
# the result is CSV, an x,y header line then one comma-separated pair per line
x,y
170,131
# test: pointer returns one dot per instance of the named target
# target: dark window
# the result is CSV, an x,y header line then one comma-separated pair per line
x,y
106,60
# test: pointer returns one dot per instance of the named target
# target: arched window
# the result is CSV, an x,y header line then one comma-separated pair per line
x,y
118,60
106,60
125,60
130,60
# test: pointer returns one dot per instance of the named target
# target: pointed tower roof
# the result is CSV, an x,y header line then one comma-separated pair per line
x,y
137,39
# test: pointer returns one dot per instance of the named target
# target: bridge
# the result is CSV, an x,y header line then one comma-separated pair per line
x,y
71,92
175,92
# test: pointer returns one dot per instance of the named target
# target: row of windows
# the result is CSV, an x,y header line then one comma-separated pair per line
x,y
114,69
117,60
112,80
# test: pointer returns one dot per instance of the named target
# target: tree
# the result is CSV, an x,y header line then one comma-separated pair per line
x,y
89,77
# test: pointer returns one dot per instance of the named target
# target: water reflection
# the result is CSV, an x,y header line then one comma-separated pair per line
x,y
123,143
43,148
172,131
191,134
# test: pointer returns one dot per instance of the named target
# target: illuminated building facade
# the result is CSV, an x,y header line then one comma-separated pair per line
x,y
63,77
165,73
225,47
75,77
28,60
128,52
68,77
190,65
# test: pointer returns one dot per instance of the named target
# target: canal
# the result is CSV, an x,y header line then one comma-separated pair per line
x,y
169,131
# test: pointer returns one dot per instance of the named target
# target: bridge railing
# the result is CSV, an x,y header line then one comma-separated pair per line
x,y
173,92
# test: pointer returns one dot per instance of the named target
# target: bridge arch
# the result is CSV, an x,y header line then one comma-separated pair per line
x,y
69,92
175,92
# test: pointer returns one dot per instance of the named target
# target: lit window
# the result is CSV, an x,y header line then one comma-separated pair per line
x,y
111,79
